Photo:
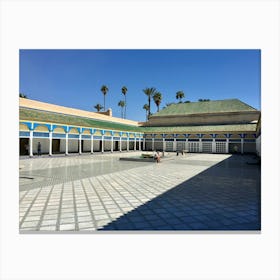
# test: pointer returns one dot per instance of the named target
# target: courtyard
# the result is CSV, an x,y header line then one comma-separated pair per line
x,y
95,193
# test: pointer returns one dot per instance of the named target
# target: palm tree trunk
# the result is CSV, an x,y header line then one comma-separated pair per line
x,y
149,102
124,106
104,104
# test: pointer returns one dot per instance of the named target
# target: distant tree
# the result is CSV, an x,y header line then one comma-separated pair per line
x,y
203,100
188,101
122,105
150,93
124,91
157,99
146,107
104,90
22,95
98,107
180,95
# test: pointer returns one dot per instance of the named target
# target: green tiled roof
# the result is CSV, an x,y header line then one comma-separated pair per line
x,y
217,106
43,116
202,128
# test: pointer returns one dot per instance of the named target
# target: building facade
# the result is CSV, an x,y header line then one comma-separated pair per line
x,y
225,126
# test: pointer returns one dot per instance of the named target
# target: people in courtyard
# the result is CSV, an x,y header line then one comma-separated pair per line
x,y
157,157
39,149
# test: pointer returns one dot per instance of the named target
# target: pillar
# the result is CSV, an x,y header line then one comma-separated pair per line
x,y
112,144
214,146
174,145
187,144
127,143
227,145
80,143
31,143
163,144
91,144
144,144
153,144
66,144
242,145
139,143
200,145
120,148
102,144
50,143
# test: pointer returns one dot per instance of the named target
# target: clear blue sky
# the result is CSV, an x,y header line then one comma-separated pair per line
x,y
73,78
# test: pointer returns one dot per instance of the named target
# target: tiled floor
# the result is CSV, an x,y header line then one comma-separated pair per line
x,y
99,192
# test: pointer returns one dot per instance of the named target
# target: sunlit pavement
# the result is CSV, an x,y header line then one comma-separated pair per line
x,y
91,193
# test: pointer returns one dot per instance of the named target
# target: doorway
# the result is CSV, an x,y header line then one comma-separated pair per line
x,y
23,146
55,146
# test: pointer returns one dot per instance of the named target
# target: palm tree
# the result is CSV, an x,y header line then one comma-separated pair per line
x,y
124,90
157,99
104,90
122,104
98,107
146,107
179,95
149,92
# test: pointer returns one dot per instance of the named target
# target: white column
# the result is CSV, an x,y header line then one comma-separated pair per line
x,y
153,144
120,147
144,144
227,145
50,144
242,145
127,143
163,144
187,144
112,144
134,143
214,146
80,143
91,144
200,145
139,143
102,144
66,143
31,143
174,145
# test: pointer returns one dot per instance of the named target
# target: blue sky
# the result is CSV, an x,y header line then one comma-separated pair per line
x,y
73,78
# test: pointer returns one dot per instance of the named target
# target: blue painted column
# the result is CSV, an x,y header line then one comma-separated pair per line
x,y
102,141
50,139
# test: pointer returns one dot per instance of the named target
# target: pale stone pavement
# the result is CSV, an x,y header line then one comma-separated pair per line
x,y
99,192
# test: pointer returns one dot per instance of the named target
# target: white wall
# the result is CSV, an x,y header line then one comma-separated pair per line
x,y
73,145
44,145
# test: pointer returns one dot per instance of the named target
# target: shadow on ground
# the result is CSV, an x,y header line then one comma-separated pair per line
x,y
223,197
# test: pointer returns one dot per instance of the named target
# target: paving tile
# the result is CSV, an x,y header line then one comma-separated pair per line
x,y
67,227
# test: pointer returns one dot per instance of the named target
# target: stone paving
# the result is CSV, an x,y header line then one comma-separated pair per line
x,y
95,193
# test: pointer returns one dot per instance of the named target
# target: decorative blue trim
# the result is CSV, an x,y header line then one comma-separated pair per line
x,y
86,137
24,134
41,134
107,137
97,137
169,140
92,130
58,135
200,135
228,135
234,140
242,135
193,140
207,140
214,135
116,138
180,140
29,125
221,140
73,136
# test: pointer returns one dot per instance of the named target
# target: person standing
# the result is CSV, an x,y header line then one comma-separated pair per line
x,y
39,149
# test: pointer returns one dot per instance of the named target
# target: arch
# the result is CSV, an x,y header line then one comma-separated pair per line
x,y
23,126
59,129
97,133
207,136
107,133
41,128
181,136
86,131
235,136
220,136
250,136
193,136
169,136
73,130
